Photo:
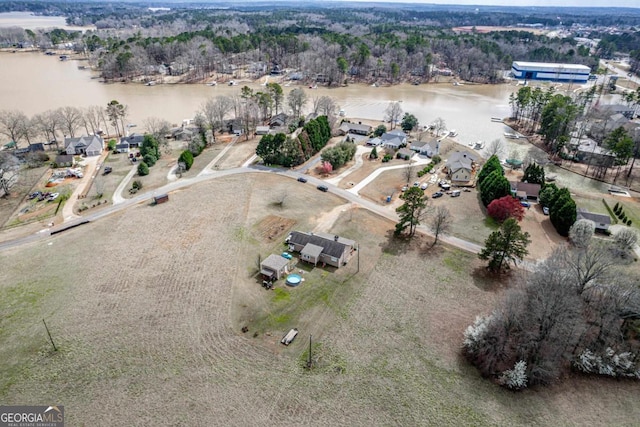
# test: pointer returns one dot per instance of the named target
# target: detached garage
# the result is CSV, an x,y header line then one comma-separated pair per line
x,y
274,267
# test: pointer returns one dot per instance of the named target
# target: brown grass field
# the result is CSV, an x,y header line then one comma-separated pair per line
x,y
146,308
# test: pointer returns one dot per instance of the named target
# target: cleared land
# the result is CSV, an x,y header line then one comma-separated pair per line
x,y
147,306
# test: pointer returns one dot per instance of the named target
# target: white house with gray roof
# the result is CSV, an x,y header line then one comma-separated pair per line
x,y
394,139
91,145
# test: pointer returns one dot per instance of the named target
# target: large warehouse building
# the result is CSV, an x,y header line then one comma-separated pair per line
x,y
570,73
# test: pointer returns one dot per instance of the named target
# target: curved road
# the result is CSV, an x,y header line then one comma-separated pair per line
x,y
121,204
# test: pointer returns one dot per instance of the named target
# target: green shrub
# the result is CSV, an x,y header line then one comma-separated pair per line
x,y
629,222
436,159
143,169
137,184
187,158
150,159
111,145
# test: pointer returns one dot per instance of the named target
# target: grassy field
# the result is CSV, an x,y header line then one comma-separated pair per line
x,y
146,308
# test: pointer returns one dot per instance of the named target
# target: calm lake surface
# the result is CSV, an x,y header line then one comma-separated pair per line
x,y
34,82
29,21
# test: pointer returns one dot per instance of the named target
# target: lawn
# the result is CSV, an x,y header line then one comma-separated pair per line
x,y
148,314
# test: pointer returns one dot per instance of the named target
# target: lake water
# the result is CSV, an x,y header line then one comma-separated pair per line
x,y
29,21
34,82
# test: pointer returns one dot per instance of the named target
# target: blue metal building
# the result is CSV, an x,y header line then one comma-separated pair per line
x,y
566,73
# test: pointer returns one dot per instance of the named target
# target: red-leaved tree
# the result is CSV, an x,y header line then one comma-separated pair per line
x,y
325,168
505,207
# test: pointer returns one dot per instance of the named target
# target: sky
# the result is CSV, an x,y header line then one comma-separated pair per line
x,y
556,3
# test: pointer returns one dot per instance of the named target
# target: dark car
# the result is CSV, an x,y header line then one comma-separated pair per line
x,y
107,170
302,179
437,194
323,188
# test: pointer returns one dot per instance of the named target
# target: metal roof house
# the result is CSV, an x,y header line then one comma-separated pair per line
x,y
569,73
321,248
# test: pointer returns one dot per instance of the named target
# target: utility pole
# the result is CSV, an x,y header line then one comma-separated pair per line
x,y
309,362
49,333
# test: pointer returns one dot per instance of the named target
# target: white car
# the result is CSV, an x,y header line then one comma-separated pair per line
x,y
545,210
424,186
53,196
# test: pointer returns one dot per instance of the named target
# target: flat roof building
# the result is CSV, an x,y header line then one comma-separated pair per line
x,y
570,73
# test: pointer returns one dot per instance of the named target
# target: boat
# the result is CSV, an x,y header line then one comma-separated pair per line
x,y
453,133
458,84
511,135
82,67
63,57
151,83
550,178
496,119
443,133
618,191
212,83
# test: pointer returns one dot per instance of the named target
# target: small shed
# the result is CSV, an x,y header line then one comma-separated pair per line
x,y
274,267
160,199
311,253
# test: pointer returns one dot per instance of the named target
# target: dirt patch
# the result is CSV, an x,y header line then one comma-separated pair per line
x,y
272,227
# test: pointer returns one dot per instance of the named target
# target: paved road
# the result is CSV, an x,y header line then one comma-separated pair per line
x,y
146,197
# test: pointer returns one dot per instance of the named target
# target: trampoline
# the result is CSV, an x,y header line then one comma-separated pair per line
x,y
293,279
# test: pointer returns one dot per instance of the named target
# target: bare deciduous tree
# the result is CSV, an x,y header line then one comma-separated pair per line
x,y
12,125
297,99
496,148
214,110
440,223
581,232
159,128
625,241
70,120
48,124
439,125
9,167
393,113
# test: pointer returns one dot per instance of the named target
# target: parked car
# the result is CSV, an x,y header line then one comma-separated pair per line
x,y
437,194
107,170
323,188
51,197
405,188
34,195
424,186
545,210
525,203
302,179
286,255
416,184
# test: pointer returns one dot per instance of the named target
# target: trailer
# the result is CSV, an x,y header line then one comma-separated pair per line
x,y
289,337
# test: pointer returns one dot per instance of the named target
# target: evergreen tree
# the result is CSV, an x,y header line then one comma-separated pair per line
x,y
509,244
411,211
534,174
494,187
492,164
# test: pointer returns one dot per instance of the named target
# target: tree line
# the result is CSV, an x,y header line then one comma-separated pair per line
x,y
578,311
